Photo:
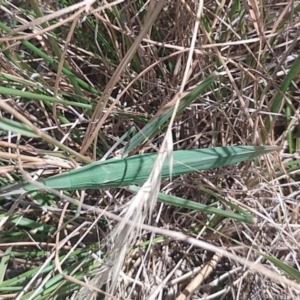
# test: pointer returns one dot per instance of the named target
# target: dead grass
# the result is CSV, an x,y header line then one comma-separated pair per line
x,y
252,46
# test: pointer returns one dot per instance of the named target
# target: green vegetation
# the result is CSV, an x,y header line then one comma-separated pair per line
x,y
118,115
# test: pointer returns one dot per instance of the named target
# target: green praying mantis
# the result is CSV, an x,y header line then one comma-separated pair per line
x,y
136,169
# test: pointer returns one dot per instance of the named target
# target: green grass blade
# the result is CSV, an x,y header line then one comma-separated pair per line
x,y
293,273
26,130
41,97
27,223
158,123
184,203
227,203
136,169
277,103
54,45
51,61
4,263
17,127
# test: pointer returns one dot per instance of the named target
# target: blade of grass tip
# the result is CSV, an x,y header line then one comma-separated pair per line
x,y
160,122
247,215
277,102
4,263
293,273
189,204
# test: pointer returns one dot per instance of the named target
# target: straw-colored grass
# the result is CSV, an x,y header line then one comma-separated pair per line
x,y
82,81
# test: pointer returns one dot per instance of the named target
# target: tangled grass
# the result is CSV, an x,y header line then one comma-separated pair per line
x,y
81,75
